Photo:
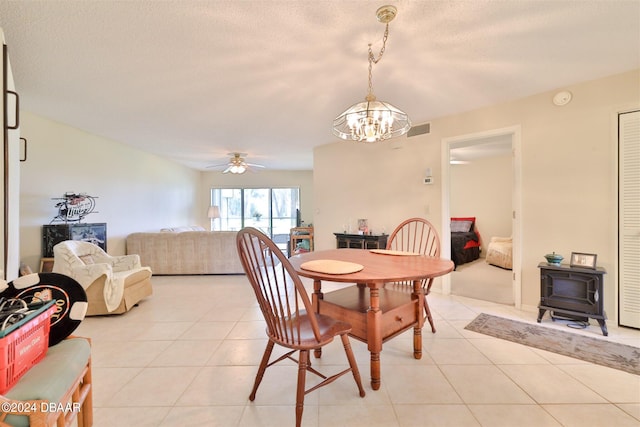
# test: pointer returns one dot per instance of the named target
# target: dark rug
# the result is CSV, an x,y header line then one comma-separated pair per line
x,y
600,351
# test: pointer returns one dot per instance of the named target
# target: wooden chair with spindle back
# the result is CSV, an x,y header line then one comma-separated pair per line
x,y
290,319
419,236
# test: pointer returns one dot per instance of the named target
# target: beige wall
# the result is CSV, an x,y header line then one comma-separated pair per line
x,y
377,182
483,188
136,191
568,176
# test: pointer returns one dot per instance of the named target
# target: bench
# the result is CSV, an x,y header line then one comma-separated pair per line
x,y
54,392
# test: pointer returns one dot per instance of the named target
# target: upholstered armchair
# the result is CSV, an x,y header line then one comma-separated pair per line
x,y
114,284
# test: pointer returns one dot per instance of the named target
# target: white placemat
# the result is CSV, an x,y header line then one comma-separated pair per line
x,y
330,266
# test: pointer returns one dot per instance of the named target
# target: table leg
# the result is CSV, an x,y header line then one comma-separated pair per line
x,y
374,335
315,303
317,295
418,293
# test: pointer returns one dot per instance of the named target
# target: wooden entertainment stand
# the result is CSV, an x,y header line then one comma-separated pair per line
x,y
361,241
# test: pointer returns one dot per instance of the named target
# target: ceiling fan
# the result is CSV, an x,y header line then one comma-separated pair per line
x,y
236,164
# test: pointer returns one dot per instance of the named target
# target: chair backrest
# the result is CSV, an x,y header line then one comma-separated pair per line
x,y
70,254
280,293
80,248
416,235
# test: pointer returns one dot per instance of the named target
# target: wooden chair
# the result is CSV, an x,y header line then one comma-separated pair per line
x,y
299,235
291,321
417,235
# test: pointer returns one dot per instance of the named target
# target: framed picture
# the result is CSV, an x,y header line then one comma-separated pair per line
x,y
579,259
52,234
363,226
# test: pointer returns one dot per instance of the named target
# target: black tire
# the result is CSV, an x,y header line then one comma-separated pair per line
x,y
70,297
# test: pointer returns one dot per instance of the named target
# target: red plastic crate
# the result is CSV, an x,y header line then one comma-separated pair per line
x,y
24,347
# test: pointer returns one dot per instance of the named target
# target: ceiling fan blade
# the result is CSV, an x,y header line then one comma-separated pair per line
x,y
253,165
228,169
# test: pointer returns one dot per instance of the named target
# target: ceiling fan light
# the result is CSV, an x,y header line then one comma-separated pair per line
x,y
237,164
239,168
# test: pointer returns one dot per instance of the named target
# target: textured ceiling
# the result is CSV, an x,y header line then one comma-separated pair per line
x,y
195,80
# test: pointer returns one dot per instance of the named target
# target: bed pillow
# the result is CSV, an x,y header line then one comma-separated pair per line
x,y
463,225
182,229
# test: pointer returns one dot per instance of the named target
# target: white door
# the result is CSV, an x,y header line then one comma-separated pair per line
x,y
10,172
629,218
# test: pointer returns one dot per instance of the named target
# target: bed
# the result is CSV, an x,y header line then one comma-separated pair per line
x,y
465,240
500,252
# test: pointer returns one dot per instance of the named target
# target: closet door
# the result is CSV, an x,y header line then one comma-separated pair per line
x,y
10,171
629,218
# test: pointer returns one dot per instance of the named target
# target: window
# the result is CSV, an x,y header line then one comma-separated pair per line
x,y
274,211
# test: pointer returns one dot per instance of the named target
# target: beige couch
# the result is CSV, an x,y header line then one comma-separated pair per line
x,y
187,252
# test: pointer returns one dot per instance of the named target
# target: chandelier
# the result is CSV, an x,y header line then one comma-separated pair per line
x,y
373,120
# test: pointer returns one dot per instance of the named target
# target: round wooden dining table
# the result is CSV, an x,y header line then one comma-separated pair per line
x,y
383,312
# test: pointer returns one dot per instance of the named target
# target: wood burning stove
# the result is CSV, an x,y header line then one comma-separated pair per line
x,y
573,292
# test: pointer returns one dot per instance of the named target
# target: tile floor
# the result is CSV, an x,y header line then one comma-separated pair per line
x,y
187,356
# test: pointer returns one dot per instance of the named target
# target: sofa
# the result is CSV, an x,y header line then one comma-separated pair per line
x,y
182,251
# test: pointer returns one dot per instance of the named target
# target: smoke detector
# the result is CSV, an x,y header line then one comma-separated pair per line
x,y
562,98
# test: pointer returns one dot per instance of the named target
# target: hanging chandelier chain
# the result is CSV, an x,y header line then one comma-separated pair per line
x,y
373,120
373,60
382,49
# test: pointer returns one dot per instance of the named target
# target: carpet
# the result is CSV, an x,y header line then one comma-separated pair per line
x,y
600,351
480,280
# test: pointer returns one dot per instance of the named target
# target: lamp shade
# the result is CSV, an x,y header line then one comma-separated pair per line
x,y
213,212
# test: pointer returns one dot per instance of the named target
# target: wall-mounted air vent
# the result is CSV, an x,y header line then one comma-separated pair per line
x,y
419,130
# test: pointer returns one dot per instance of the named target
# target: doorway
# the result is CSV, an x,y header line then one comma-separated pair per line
x,y
497,211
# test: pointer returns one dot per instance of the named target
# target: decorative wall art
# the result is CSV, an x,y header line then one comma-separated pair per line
x,y
73,207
